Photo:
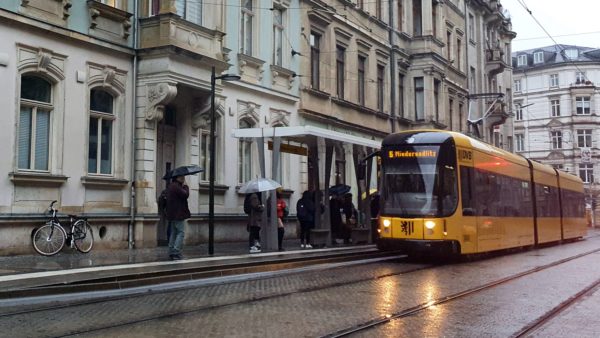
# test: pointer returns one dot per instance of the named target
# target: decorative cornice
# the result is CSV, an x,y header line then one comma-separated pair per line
x,y
37,179
158,97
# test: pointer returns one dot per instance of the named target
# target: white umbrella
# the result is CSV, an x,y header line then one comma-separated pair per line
x,y
259,184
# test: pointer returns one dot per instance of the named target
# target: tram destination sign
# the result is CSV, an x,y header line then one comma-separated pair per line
x,y
412,154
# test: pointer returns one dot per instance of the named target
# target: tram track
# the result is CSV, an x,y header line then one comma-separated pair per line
x,y
557,310
201,309
269,296
374,322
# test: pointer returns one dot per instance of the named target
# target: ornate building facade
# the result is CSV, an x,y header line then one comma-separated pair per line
x,y
111,94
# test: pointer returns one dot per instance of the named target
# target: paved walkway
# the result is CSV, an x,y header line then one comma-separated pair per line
x,y
72,259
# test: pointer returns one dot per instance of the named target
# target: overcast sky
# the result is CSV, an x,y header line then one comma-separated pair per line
x,y
571,22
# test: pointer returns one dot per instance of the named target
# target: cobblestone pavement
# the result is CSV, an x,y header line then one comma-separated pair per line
x,y
71,259
320,302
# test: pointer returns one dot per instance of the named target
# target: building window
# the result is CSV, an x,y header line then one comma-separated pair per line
x,y
434,9
400,95
361,79
190,10
553,80
472,81
519,142
378,10
340,70
586,172
380,86
278,26
558,166
153,7
451,113
400,15
100,132
417,18
579,77
571,53
471,27
582,104
246,27
518,112
34,123
458,62
584,138
419,99
460,117
538,57
315,59
556,139
509,142
555,108
522,60
114,3
245,155
436,99
517,85
449,45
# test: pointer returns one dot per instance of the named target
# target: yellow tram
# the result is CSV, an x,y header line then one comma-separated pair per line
x,y
446,193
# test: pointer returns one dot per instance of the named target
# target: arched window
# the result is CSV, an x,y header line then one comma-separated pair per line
x,y
245,155
100,140
34,123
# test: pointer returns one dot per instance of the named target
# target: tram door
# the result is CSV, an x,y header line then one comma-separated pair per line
x,y
466,218
165,159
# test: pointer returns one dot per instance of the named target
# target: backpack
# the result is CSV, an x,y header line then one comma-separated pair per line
x,y
162,202
247,205
301,211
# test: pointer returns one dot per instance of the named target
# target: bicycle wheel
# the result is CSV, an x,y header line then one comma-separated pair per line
x,y
49,239
83,238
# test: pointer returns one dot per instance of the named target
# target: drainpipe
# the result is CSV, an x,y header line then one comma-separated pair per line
x,y
130,239
392,67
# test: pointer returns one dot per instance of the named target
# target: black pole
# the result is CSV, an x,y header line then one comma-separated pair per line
x,y
211,176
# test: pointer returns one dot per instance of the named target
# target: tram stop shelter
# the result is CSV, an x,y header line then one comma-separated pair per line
x,y
319,145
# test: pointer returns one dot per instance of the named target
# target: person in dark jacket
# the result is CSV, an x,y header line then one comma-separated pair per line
x,y
305,211
177,214
254,222
349,217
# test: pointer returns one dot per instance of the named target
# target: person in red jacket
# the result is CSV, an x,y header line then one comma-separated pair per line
x,y
281,213
177,215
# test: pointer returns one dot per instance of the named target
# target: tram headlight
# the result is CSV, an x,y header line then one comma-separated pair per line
x,y
387,223
429,224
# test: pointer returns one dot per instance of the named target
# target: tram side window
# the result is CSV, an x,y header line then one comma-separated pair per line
x,y
573,203
547,201
501,196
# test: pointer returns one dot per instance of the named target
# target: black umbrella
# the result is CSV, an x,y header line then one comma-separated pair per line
x,y
183,171
339,189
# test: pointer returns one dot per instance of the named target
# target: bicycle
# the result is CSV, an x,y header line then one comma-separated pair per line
x,y
50,238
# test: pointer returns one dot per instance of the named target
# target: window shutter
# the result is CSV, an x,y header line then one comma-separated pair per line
x,y
42,134
24,138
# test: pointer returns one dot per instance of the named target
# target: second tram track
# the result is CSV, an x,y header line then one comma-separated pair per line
x,y
421,307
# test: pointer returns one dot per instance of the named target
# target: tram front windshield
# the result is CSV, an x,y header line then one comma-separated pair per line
x,y
419,181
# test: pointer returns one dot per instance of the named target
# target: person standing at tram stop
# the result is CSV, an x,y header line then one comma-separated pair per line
x,y
349,217
305,212
177,214
282,212
254,208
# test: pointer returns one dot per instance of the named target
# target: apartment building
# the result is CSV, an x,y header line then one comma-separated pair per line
x,y
556,109
109,95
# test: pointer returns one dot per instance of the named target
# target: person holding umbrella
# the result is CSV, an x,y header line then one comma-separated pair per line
x,y
177,208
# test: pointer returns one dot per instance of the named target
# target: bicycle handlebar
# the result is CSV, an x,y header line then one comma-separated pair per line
x,y
51,208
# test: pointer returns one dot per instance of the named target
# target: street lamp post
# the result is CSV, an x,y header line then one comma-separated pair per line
x,y
211,176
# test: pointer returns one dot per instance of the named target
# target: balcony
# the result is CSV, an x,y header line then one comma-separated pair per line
x,y
170,30
498,115
494,61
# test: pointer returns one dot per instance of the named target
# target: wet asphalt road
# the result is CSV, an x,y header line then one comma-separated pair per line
x,y
317,303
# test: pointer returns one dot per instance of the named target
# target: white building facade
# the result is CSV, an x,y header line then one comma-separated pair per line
x,y
557,110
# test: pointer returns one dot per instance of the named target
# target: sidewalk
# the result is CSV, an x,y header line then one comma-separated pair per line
x,y
71,259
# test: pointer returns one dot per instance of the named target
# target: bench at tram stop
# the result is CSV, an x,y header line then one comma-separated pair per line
x,y
318,237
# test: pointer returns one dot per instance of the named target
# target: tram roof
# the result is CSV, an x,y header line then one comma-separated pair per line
x,y
299,132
